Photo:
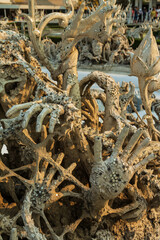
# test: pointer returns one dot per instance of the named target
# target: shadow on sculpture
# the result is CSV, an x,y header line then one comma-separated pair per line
x,y
71,166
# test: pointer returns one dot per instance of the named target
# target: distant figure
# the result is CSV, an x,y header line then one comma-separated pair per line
x,y
144,13
153,14
135,14
140,13
12,15
149,14
158,12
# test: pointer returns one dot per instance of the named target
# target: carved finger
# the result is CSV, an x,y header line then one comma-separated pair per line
x,y
54,119
133,141
43,133
123,210
14,235
89,106
136,212
144,162
97,149
1,132
138,150
19,107
41,117
42,171
121,138
134,215
29,113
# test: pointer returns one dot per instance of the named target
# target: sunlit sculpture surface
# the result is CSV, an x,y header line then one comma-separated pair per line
x,y
71,167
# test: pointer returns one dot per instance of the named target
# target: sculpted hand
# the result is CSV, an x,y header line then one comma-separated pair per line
x,y
110,177
53,111
50,106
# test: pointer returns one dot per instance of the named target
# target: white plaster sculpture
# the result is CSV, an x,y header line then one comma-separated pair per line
x,y
70,167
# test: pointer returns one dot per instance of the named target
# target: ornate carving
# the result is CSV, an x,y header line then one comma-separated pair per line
x,y
58,172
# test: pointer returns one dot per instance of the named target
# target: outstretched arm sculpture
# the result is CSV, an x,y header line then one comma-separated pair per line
x,y
66,54
64,165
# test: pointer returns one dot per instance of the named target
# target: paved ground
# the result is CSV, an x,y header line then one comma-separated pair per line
x,y
118,77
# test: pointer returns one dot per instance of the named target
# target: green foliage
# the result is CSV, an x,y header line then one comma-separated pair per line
x,y
124,3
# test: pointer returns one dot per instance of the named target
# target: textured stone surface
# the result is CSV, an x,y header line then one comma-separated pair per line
x,y
72,171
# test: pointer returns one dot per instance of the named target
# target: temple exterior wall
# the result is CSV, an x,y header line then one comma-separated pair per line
x,y
148,3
